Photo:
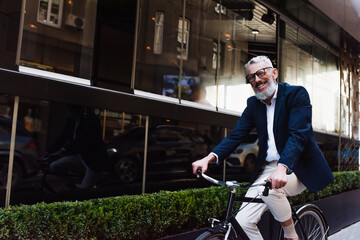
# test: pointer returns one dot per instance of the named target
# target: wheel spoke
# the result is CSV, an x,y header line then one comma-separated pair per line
x,y
312,226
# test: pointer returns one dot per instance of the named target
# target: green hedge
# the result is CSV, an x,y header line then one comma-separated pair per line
x,y
147,216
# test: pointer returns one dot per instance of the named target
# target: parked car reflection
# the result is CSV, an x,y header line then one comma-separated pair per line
x,y
25,155
245,154
171,150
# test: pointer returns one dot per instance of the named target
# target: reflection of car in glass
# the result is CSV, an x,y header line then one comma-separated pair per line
x,y
171,149
245,154
25,155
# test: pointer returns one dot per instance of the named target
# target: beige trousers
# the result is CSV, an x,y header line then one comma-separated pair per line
x,y
276,202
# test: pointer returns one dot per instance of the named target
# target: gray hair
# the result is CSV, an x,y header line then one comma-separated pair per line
x,y
256,60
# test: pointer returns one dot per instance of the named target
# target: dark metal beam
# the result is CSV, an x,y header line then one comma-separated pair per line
x,y
24,85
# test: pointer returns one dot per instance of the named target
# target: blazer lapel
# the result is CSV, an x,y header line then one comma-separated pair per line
x,y
261,116
279,105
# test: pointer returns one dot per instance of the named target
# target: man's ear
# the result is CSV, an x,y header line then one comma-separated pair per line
x,y
275,74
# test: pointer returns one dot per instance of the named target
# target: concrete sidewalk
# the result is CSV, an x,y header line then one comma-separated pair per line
x,y
351,232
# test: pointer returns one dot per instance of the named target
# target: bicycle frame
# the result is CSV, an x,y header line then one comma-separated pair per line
x,y
230,222
231,228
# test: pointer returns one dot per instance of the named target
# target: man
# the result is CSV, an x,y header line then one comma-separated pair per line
x,y
288,154
79,149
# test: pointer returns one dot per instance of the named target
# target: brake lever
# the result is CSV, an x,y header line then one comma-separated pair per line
x,y
267,188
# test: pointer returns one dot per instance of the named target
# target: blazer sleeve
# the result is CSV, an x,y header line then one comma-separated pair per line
x,y
242,128
299,126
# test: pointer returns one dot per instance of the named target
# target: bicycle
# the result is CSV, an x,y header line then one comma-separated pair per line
x,y
309,221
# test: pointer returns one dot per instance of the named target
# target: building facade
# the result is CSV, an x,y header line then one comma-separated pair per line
x,y
121,61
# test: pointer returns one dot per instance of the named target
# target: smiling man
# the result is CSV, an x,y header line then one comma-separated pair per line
x,y
288,154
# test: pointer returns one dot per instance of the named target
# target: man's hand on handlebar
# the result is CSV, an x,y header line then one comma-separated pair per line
x,y
278,178
202,164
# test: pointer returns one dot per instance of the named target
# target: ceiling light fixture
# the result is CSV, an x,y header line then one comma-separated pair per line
x,y
268,17
254,31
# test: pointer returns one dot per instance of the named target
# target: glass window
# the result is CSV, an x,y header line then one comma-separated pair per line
x,y
333,78
248,29
114,44
110,142
307,63
183,38
159,32
345,99
173,146
323,88
50,12
9,31
240,164
217,42
158,73
215,56
204,52
289,51
58,37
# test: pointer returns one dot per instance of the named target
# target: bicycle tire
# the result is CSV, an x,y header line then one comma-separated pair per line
x,y
313,223
209,235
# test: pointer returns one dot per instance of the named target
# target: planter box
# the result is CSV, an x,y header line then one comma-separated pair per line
x,y
340,211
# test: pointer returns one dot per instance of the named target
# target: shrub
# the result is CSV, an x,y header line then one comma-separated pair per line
x,y
147,216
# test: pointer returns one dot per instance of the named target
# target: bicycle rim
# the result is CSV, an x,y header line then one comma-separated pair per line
x,y
211,236
312,223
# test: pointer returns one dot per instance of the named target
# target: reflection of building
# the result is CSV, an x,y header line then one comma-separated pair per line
x,y
126,60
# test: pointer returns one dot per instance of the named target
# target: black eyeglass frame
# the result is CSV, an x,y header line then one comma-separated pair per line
x,y
257,73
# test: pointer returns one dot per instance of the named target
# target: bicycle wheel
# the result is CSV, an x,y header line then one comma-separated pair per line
x,y
208,235
312,224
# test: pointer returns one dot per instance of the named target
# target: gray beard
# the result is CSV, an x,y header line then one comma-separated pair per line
x,y
269,91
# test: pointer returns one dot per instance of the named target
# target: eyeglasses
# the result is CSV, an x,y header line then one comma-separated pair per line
x,y
260,73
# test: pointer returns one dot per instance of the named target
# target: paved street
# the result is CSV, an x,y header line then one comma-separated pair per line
x,y
352,232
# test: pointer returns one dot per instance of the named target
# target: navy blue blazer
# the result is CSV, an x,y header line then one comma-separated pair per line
x,y
294,137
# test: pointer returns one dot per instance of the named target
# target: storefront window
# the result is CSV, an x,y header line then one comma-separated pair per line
x,y
114,43
323,87
172,147
307,63
288,56
218,40
56,143
333,76
248,31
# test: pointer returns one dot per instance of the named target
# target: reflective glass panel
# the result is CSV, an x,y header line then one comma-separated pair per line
x,y
307,63
158,71
333,78
58,36
288,58
172,147
240,164
9,31
114,44
6,112
70,152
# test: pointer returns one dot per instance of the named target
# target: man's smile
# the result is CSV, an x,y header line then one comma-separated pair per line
x,y
261,86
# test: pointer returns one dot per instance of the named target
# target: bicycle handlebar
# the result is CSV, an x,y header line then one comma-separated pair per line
x,y
234,184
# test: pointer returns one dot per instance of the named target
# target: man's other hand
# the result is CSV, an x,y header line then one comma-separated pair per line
x,y
278,178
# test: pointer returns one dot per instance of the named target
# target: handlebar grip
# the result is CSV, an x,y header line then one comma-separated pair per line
x,y
199,172
267,187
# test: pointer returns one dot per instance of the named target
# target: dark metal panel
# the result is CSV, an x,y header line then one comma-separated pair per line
x,y
24,85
